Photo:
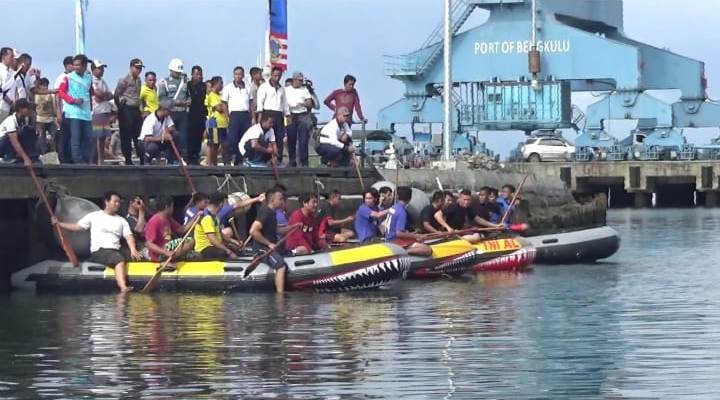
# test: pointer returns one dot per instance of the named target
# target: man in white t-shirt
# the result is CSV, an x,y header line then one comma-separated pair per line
x,y
157,132
10,128
7,81
258,145
300,102
336,148
107,228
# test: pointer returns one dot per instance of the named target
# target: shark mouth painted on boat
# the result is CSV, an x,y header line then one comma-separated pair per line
x,y
456,265
363,277
516,261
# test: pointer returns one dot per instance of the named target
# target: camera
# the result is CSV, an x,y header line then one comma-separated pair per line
x,y
309,85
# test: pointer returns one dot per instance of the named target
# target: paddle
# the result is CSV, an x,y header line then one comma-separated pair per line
x,y
512,202
273,162
69,252
183,167
156,278
357,169
256,261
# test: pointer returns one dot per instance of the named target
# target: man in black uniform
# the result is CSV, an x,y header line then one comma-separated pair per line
x,y
264,234
428,223
459,214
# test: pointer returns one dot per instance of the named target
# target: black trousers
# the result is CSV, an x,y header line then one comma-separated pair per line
x,y
279,128
130,121
195,130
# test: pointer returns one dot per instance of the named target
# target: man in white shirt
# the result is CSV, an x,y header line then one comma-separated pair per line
x,y
237,98
271,100
24,78
7,81
300,102
258,144
11,128
107,228
336,148
157,132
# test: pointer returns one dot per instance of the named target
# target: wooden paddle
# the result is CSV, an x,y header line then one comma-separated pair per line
x,y
69,252
256,261
156,278
273,162
359,174
183,167
512,202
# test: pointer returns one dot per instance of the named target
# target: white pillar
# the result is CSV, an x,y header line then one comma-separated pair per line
x,y
80,8
447,53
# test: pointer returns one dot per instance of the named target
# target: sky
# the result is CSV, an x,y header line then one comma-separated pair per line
x,y
327,39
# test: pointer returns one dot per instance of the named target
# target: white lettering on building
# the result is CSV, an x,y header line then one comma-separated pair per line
x,y
521,46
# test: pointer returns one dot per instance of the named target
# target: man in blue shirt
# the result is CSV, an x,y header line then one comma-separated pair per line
x,y
368,216
397,226
506,195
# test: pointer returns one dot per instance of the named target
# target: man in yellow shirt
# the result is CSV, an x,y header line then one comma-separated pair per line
x,y
148,95
209,241
217,120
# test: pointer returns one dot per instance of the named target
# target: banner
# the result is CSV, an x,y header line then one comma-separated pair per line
x,y
277,35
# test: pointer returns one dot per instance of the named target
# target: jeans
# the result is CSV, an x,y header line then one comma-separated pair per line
x,y
28,141
45,129
80,137
130,121
154,149
279,128
180,118
255,157
330,153
298,136
239,123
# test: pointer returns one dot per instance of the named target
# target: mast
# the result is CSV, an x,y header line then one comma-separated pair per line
x,y
80,9
447,104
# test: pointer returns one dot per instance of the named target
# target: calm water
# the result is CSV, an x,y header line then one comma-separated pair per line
x,y
645,324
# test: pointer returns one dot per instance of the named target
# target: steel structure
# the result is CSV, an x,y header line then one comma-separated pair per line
x,y
517,71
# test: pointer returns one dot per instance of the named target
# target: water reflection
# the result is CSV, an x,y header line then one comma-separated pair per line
x,y
645,324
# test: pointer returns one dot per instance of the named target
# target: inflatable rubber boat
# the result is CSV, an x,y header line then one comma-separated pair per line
x,y
359,268
585,245
505,254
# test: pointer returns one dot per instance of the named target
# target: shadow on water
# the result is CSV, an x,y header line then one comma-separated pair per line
x,y
643,324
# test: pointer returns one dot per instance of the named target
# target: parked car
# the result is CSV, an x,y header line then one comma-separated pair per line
x,y
538,149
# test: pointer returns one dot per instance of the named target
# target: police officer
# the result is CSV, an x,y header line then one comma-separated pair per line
x,y
174,90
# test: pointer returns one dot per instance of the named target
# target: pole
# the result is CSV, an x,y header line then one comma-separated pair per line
x,y
80,8
447,109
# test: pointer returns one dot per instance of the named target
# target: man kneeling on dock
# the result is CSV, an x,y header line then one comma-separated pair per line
x,y
258,145
158,130
106,230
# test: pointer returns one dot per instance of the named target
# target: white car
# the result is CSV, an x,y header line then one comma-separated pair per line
x,y
538,149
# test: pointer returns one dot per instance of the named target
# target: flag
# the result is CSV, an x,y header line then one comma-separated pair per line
x,y
277,35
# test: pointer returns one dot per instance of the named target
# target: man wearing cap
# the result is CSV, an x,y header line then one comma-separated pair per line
x,y
336,146
157,132
300,102
271,101
76,90
237,98
7,81
101,111
174,89
127,100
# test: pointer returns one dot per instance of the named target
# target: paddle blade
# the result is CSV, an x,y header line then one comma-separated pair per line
x,y
253,264
152,282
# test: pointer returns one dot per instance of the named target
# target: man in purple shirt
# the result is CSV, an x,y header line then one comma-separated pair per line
x,y
368,216
397,226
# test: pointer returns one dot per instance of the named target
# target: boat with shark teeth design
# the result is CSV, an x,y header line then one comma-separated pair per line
x,y
504,254
359,268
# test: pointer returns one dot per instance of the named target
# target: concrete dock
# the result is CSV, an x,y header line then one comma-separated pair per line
x,y
637,183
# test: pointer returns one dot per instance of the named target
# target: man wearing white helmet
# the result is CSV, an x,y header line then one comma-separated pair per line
x,y
174,90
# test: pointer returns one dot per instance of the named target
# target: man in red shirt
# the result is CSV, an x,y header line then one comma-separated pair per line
x,y
346,97
306,239
159,233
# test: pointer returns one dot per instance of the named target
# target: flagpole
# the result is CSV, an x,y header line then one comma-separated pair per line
x,y
80,8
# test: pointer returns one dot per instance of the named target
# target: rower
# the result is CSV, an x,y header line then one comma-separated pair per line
x,y
457,215
199,205
368,216
160,230
385,203
331,225
264,233
210,244
306,239
428,223
397,222
503,201
258,145
106,230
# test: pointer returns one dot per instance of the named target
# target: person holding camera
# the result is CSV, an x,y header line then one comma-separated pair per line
x,y
300,102
174,90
